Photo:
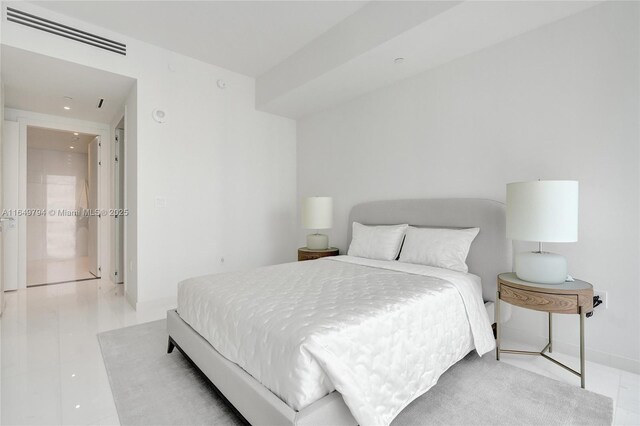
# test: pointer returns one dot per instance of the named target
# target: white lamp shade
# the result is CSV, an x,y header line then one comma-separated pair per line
x,y
317,213
544,211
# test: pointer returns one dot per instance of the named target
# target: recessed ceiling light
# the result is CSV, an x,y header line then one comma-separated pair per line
x,y
67,108
71,147
398,60
75,133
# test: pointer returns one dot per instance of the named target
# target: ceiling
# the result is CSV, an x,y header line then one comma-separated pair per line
x,y
41,84
58,140
248,37
311,55
424,34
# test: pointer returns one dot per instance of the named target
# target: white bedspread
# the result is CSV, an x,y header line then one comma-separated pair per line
x,y
379,332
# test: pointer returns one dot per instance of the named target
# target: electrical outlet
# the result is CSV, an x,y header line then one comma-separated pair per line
x,y
603,297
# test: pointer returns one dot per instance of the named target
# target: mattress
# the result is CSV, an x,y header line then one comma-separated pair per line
x,y
491,311
379,332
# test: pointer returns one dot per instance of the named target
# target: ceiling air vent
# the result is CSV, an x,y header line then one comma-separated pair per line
x,y
33,21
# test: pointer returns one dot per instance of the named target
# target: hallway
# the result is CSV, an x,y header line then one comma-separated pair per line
x,y
61,177
49,271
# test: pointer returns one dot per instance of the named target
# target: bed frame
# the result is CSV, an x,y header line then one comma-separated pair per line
x,y
490,255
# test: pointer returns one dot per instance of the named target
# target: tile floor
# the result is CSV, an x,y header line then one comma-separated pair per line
x,y
623,387
52,370
55,271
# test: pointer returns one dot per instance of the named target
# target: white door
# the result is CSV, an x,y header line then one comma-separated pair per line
x,y
94,219
2,220
117,252
9,177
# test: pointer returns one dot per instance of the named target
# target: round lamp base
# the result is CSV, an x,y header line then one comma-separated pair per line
x,y
541,267
317,242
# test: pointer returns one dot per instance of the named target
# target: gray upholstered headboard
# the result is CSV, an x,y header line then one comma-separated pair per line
x,y
490,252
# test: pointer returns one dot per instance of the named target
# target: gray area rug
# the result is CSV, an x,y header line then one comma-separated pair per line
x,y
151,387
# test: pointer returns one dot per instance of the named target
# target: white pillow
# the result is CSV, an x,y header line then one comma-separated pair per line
x,y
443,248
376,242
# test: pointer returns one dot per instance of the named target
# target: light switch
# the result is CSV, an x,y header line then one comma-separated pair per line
x,y
161,202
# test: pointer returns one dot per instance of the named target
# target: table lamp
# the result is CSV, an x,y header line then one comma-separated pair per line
x,y
542,211
317,213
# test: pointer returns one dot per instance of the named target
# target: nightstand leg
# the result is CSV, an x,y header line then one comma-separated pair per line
x,y
582,378
497,315
550,333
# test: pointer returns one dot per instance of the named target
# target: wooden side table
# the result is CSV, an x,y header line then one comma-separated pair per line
x,y
574,297
310,254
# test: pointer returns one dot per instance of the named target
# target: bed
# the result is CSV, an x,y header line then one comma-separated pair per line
x,y
344,341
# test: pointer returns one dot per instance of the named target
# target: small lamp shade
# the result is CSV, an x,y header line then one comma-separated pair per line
x,y
543,211
317,213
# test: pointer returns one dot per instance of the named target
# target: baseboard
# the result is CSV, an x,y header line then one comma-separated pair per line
x,y
164,303
130,300
604,358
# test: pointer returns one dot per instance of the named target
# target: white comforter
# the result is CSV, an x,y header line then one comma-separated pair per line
x,y
379,332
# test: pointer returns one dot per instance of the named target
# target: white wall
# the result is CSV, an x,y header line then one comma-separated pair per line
x,y
226,171
54,181
560,102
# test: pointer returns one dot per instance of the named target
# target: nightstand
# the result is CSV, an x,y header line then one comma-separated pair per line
x,y
574,297
311,254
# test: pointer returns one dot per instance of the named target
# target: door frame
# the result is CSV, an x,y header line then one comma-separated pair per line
x,y
97,140
26,119
118,179
10,149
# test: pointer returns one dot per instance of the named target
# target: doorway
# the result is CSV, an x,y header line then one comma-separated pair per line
x,y
62,206
50,93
